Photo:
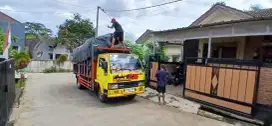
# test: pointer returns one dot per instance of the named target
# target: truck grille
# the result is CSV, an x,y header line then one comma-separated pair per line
x,y
128,85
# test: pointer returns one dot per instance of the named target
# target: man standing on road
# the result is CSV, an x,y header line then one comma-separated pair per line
x,y
161,76
118,35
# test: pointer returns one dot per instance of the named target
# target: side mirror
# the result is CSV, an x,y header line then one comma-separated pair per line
x,y
105,65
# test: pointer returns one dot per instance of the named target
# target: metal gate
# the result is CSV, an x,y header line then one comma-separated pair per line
x,y
226,84
7,89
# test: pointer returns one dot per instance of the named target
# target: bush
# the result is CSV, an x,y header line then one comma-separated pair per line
x,y
54,69
22,59
20,83
62,59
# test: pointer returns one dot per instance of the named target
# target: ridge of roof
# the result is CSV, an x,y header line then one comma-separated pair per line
x,y
218,5
217,23
147,31
10,17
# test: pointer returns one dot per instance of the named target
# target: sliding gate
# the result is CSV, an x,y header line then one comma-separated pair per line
x,y
226,84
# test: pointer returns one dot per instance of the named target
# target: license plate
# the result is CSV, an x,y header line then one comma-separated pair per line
x,y
129,89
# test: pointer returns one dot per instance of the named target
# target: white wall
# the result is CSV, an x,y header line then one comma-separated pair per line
x,y
218,16
171,50
61,50
39,66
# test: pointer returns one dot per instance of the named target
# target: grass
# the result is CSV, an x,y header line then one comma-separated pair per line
x,y
56,70
20,83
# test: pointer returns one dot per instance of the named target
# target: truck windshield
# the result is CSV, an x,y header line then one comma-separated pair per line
x,y
124,62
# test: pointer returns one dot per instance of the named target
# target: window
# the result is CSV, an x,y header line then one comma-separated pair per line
x,y
100,61
50,56
57,56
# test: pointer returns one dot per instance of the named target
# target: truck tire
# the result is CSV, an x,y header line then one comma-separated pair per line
x,y
79,86
102,97
131,97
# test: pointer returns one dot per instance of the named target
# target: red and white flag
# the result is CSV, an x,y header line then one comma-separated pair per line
x,y
7,42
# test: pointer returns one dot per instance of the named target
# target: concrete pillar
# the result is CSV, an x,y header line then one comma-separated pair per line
x,y
209,47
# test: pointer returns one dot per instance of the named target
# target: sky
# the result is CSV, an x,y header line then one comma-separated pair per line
x,y
181,14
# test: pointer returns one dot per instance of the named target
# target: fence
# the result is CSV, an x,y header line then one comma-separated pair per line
x,y
7,89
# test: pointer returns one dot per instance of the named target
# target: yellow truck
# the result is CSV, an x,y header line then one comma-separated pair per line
x,y
110,72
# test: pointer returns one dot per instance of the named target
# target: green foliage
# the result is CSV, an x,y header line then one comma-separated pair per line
x,y
30,36
143,50
22,59
220,3
33,28
61,59
20,83
138,49
2,40
73,32
54,69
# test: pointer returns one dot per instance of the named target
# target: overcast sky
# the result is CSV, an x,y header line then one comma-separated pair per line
x,y
180,14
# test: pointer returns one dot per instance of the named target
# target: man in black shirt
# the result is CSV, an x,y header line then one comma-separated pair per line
x,y
118,35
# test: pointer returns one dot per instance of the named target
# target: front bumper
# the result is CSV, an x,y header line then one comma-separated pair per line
x,y
121,92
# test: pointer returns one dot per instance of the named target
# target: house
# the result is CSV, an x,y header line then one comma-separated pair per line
x,y
232,33
46,48
172,49
228,32
225,32
17,30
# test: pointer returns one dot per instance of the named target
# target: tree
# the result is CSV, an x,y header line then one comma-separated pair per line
x,y
2,40
143,50
11,51
138,49
33,29
73,32
219,3
255,7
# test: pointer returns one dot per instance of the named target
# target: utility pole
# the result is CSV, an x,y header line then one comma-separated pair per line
x,y
97,20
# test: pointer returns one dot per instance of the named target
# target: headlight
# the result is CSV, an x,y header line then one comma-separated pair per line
x,y
113,86
141,84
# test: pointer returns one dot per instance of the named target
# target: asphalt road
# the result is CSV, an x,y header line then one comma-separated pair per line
x,y
54,100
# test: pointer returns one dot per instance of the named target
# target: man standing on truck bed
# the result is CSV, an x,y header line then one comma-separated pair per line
x,y
118,35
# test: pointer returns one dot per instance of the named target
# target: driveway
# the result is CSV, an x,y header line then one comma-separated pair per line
x,y
54,100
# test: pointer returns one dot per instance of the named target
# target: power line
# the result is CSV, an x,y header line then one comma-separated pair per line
x,y
145,7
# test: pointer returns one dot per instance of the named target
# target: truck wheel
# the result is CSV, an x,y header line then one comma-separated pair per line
x,y
131,97
102,97
79,86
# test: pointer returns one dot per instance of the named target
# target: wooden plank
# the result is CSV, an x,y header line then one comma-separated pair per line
x,y
242,86
222,103
221,83
188,77
228,81
197,78
208,80
202,79
192,80
250,87
235,84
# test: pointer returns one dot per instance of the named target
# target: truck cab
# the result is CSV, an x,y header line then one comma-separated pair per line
x,y
118,75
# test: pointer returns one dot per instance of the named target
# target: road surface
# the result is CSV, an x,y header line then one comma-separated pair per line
x,y
54,100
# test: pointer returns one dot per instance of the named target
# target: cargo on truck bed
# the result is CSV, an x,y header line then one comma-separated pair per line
x,y
110,72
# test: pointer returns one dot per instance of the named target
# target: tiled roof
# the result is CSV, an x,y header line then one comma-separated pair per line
x,y
261,13
217,23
